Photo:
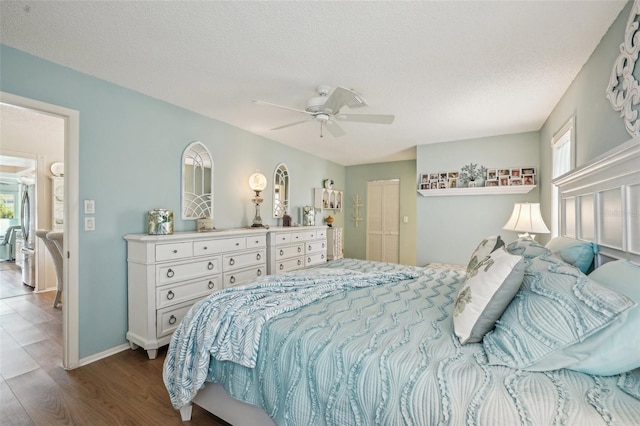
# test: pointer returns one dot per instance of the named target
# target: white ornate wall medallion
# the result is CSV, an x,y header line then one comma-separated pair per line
x,y
623,90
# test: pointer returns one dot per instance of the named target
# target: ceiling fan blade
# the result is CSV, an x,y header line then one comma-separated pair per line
x,y
292,124
335,130
280,106
366,118
341,97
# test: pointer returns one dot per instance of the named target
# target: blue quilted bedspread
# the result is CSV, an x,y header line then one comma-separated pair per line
x,y
377,354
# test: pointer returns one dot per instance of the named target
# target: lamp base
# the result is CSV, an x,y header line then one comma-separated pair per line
x,y
526,234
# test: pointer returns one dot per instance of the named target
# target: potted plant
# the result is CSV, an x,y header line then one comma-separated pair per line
x,y
473,175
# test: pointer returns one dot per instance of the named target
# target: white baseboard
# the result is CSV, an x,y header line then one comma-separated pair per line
x,y
104,354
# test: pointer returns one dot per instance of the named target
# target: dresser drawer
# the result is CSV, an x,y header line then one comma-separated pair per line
x,y
174,294
289,265
314,259
289,251
316,246
256,242
306,235
236,278
218,246
281,238
231,262
321,234
168,319
173,251
166,274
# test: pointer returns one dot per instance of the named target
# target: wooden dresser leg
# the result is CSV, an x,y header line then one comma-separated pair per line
x,y
185,412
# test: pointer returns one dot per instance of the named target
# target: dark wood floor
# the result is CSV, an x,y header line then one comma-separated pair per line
x,y
124,389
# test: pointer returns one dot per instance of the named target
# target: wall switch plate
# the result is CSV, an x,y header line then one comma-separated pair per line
x,y
90,223
405,219
89,207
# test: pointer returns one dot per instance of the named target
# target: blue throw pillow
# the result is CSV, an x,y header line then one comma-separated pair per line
x,y
527,247
556,307
616,349
574,252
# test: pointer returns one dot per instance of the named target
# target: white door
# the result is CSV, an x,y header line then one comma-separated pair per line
x,y
383,220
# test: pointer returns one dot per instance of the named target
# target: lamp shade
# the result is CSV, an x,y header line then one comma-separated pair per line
x,y
257,182
526,217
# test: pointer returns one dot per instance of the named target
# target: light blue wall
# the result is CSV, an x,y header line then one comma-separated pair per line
x,y
450,227
130,151
598,127
357,178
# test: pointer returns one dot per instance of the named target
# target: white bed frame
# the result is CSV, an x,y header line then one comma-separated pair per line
x,y
598,202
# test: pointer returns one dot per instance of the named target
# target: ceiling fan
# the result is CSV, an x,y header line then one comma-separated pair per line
x,y
326,108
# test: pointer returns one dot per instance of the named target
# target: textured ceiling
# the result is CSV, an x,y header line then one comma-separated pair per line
x,y
448,70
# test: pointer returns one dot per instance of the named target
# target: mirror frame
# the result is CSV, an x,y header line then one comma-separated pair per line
x,y
195,206
281,172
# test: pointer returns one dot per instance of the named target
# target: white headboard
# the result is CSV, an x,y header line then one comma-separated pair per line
x,y
600,202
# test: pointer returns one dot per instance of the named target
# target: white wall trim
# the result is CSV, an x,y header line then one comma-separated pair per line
x,y
71,309
104,354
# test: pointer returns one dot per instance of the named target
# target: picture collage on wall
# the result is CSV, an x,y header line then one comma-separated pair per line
x,y
514,176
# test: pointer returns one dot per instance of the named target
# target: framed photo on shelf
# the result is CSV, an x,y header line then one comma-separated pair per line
x,y
424,180
528,179
492,174
516,173
453,182
528,171
491,182
503,180
433,176
504,172
515,181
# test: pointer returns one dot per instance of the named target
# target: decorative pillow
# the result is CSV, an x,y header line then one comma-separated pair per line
x,y
556,307
574,252
527,247
484,249
616,349
485,294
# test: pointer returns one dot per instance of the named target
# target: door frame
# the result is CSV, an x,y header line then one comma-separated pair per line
x,y
71,309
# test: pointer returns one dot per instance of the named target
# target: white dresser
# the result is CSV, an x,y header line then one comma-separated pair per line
x,y
291,248
167,274
334,243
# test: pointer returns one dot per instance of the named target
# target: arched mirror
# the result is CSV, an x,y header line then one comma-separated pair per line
x,y
197,182
281,189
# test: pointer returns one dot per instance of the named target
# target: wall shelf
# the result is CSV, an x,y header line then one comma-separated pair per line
x,y
485,190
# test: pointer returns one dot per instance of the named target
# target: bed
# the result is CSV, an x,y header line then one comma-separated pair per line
x,y
375,343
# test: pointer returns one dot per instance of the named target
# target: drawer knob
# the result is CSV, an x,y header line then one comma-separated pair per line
x,y
210,266
175,251
237,244
172,319
257,241
211,285
170,273
258,256
299,262
170,295
259,272
232,279
282,266
232,261
281,252
308,260
309,248
322,245
299,249
205,248
322,257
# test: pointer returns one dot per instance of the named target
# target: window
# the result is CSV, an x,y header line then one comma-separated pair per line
x,y
563,160
7,206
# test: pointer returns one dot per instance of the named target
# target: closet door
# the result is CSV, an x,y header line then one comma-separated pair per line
x,y
383,221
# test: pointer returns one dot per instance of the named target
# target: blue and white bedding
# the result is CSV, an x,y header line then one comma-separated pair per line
x,y
385,353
